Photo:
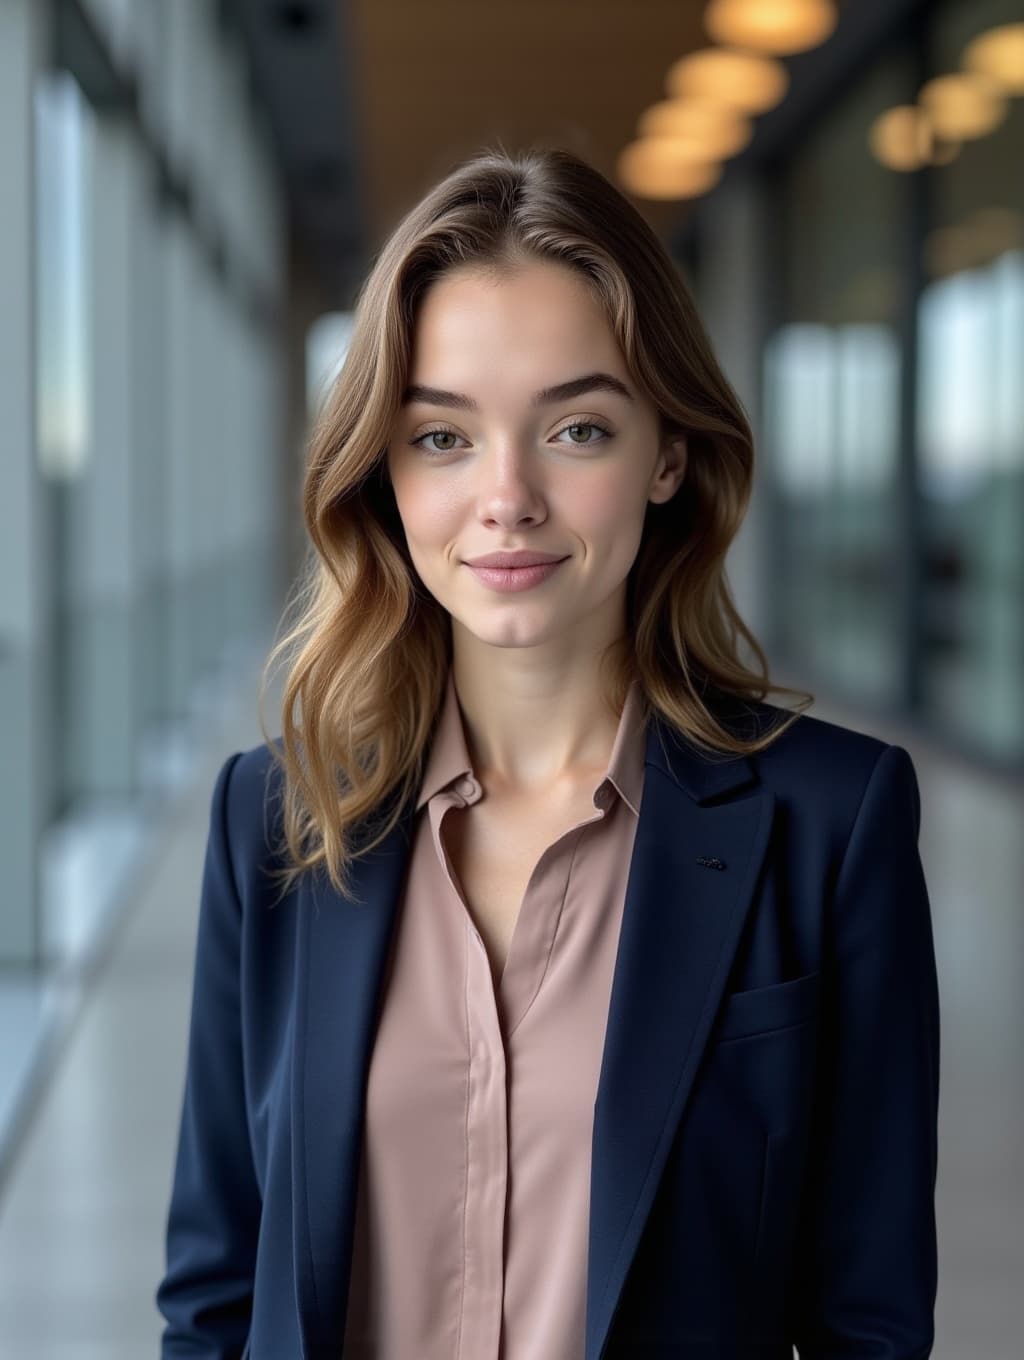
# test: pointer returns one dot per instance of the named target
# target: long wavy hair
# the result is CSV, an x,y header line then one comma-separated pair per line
x,y
369,649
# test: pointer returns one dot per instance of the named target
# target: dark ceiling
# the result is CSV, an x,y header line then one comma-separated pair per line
x,y
371,101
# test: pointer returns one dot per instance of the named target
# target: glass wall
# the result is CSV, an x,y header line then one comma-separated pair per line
x,y
970,413
832,398
143,271
64,136
893,403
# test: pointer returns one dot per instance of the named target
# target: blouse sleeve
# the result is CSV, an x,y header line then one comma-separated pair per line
x,y
214,1214
866,1254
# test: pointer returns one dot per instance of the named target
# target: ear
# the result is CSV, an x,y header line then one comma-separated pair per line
x,y
671,469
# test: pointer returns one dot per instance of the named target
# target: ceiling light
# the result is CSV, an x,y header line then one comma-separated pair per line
x,y
996,230
709,131
950,250
656,167
901,137
776,26
962,106
741,80
998,54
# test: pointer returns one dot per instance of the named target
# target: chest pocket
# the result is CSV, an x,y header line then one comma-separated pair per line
x,y
762,1010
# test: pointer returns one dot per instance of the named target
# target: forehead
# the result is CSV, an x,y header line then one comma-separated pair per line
x,y
530,320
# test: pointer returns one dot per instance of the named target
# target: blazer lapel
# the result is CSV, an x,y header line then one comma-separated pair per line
x,y
682,921
343,946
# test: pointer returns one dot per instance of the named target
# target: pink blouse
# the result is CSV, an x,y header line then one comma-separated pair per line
x,y
472,1214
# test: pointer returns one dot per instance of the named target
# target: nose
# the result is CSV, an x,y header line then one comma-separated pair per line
x,y
510,487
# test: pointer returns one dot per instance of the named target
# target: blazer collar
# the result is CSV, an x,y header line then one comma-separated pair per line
x,y
681,925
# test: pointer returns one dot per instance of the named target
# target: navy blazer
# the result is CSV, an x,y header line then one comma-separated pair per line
x,y
765,1125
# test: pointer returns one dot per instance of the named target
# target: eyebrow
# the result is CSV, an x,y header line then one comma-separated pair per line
x,y
576,387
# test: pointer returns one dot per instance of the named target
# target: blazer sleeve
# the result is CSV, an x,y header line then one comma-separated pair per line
x,y
214,1214
866,1254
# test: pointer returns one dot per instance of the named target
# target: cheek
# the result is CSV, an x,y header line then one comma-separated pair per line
x,y
604,511
426,505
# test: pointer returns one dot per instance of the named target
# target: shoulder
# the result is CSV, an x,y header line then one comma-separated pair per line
x,y
808,742
805,739
253,772
246,796
827,768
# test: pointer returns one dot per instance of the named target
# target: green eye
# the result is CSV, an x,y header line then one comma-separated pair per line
x,y
432,434
580,425
585,425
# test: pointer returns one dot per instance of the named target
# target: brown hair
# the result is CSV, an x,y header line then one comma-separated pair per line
x,y
370,651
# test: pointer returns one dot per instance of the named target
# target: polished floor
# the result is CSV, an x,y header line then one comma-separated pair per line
x,y
83,1200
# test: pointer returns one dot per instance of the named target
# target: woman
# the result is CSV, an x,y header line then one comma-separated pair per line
x,y
595,1013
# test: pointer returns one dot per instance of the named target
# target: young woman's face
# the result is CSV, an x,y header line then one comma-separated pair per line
x,y
484,459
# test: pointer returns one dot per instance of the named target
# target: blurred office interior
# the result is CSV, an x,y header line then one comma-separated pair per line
x,y
193,191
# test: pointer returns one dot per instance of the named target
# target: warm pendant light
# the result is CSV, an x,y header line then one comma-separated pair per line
x,y
710,131
901,137
998,55
962,106
657,167
775,26
996,230
739,80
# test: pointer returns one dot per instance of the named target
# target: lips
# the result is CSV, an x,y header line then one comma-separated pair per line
x,y
511,560
507,579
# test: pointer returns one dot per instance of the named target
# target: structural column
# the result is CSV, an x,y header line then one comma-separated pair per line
x,y
23,586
